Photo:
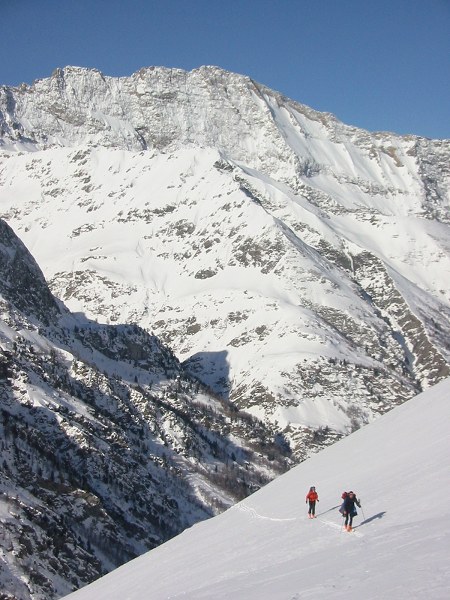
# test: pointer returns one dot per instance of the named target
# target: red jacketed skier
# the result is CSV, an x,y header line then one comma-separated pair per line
x,y
312,497
348,509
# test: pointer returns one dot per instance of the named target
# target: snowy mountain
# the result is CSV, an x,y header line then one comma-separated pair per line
x,y
108,446
298,266
265,547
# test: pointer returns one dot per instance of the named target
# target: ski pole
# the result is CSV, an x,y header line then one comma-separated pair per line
x,y
362,510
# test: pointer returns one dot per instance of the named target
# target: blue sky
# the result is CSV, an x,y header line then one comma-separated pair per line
x,y
377,64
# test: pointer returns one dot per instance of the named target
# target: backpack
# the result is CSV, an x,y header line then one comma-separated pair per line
x,y
341,508
345,494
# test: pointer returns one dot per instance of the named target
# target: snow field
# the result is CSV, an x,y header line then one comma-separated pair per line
x,y
265,547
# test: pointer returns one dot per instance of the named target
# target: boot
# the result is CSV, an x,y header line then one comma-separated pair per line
x,y
349,528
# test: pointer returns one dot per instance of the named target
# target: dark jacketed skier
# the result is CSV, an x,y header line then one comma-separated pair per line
x,y
348,509
312,497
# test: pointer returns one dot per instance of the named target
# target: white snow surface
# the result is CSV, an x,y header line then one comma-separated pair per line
x,y
265,547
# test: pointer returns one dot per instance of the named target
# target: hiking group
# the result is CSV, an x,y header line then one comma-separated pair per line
x,y
347,508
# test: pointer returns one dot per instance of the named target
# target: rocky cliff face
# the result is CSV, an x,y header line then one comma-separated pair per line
x,y
108,446
23,285
167,109
297,265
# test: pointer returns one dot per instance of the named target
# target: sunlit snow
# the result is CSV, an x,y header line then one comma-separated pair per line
x,y
266,548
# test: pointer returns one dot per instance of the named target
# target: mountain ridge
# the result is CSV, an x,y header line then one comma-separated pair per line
x,y
250,227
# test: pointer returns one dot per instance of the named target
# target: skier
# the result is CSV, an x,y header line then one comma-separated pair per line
x,y
348,509
312,497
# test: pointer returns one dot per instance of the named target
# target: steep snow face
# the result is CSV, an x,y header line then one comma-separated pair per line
x,y
300,267
265,547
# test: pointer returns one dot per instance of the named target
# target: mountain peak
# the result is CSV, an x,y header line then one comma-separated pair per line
x,y
244,218
156,107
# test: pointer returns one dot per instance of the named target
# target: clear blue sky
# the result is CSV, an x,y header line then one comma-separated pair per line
x,y
377,64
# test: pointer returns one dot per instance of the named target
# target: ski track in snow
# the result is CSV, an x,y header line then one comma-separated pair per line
x,y
255,515
339,526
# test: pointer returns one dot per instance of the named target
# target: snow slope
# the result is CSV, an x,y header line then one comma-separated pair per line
x,y
265,548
